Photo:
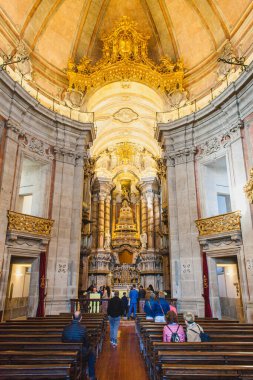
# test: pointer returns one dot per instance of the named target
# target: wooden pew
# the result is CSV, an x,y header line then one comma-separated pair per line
x,y
204,372
201,358
44,357
36,371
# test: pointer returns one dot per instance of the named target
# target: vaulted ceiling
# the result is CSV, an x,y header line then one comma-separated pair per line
x,y
56,30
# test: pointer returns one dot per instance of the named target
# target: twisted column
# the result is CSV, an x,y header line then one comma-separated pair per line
x,y
150,208
107,214
101,220
94,218
113,215
143,214
138,216
157,220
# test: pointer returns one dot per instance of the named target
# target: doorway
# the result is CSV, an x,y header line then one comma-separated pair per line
x,y
18,290
229,288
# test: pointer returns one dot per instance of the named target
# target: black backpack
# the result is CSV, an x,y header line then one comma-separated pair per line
x,y
174,336
204,337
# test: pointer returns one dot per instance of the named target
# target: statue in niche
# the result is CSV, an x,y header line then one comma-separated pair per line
x,y
144,240
107,244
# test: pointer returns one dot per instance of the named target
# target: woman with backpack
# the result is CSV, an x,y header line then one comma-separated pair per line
x,y
173,332
193,330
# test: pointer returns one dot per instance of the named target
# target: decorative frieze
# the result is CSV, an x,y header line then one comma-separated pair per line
x,y
29,224
248,188
29,142
219,142
180,156
219,224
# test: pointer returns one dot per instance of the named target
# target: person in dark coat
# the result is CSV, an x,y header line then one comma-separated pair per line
x,y
142,292
75,332
115,310
125,303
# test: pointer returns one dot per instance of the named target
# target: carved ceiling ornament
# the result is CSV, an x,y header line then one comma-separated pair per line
x,y
125,58
248,188
125,153
125,115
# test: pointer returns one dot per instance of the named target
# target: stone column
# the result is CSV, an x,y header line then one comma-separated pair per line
x,y
113,215
157,221
237,179
185,256
107,214
7,177
101,221
138,216
94,218
143,214
150,209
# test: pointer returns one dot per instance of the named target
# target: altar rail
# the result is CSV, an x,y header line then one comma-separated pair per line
x,y
89,305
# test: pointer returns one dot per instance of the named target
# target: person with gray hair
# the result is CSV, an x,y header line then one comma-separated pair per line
x,y
115,310
193,329
75,332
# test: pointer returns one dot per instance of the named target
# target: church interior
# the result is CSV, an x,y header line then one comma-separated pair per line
x,y
126,157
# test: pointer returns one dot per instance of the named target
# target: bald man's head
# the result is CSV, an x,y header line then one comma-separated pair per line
x,y
77,316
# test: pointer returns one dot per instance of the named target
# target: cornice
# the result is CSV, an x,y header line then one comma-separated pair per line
x,y
231,106
17,104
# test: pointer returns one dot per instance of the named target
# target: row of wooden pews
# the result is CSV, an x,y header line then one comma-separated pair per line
x,y
32,348
229,354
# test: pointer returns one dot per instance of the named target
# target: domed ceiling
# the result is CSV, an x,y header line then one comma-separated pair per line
x,y
194,30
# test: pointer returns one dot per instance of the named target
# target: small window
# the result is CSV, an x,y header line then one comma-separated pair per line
x,y
224,204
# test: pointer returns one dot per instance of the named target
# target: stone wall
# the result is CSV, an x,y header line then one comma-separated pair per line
x,y
222,129
30,130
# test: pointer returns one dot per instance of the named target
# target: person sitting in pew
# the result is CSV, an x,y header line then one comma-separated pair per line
x,y
75,332
149,306
173,332
193,329
161,307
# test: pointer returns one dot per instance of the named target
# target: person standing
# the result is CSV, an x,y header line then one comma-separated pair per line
x,y
75,332
161,307
115,310
125,303
133,296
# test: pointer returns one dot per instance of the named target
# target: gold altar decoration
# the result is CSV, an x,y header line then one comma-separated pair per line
x,y
34,225
126,230
248,188
219,224
125,58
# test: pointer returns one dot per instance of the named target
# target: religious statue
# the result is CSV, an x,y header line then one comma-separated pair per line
x,y
144,240
107,244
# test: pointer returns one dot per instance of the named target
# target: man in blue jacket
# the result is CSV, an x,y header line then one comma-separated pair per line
x,y
133,296
75,332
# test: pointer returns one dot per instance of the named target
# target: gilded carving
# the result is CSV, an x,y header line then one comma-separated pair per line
x,y
219,224
34,225
248,188
125,58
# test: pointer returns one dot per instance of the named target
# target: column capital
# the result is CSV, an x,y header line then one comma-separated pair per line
x,y
181,156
